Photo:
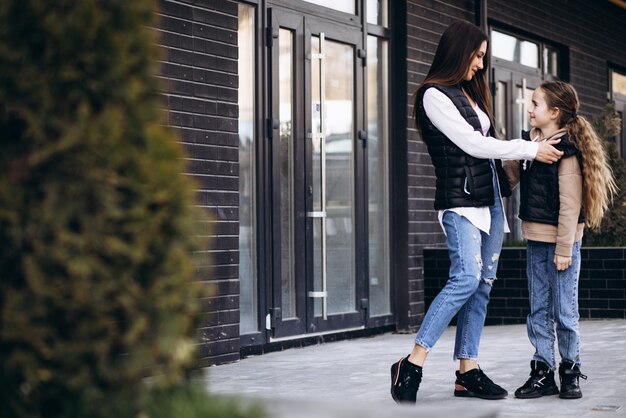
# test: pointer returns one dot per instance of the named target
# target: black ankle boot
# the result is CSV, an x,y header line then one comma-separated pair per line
x,y
405,381
541,382
569,373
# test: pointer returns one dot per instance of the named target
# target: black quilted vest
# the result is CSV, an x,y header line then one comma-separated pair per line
x,y
462,180
539,187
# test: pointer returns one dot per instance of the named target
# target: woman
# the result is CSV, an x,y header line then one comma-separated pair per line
x,y
454,114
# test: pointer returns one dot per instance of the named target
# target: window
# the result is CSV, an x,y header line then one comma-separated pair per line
x,y
377,12
378,163
514,49
618,95
550,61
247,171
618,83
346,6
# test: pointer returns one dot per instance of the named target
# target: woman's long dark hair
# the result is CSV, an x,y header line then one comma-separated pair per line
x,y
457,47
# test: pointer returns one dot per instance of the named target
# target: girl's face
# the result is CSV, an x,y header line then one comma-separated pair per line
x,y
541,116
477,61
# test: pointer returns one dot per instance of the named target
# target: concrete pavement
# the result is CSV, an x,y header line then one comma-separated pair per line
x,y
351,378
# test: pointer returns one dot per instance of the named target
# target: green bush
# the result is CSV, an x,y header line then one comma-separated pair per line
x,y
612,231
190,401
97,283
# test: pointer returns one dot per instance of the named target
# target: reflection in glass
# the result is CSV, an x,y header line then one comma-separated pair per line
x,y
316,121
523,99
618,93
377,170
550,61
338,127
285,164
247,173
500,102
529,54
377,12
514,49
512,203
618,83
347,6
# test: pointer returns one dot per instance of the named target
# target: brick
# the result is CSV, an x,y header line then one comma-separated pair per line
x,y
175,9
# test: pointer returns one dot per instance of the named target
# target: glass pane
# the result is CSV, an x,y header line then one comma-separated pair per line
x,y
529,54
500,102
338,127
286,156
377,12
247,173
347,6
378,174
513,49
316,121
550,61
619,83
503,46
620,139
523,99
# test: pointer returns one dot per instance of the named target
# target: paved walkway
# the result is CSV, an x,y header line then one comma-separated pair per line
x,y
351,378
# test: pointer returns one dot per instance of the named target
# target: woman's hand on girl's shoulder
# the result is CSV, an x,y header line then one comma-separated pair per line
x,y
546,153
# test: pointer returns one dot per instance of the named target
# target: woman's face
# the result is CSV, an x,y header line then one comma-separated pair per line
x,y
477,61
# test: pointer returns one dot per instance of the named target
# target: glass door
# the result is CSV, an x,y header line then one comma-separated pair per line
x,y
316,96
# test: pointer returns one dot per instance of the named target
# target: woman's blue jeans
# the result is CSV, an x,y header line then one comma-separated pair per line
x,y
553,301
474,259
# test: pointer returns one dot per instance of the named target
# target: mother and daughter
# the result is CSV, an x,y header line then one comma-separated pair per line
x,y
565,183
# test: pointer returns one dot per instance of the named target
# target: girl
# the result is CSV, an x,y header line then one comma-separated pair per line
x,y
556,202
453,112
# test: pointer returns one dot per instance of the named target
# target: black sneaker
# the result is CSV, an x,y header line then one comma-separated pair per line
x,y
405,380
476,384
569,373
540,383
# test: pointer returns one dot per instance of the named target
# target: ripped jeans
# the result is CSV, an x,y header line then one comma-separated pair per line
x,y
474,259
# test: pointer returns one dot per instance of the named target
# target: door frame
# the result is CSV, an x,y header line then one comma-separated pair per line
x,y
281,327
305,26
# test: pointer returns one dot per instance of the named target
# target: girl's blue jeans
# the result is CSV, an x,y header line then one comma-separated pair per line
x,y
553,302
474,259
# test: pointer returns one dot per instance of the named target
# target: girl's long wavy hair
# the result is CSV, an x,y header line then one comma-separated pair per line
x,y
598,184
458,45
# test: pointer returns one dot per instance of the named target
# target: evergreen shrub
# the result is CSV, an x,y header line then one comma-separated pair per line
x,y
612,231
97,220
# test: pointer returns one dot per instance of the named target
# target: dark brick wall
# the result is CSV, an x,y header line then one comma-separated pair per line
x,y
199,81
602,286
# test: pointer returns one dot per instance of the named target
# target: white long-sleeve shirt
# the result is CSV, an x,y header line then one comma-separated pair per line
x,y
447,118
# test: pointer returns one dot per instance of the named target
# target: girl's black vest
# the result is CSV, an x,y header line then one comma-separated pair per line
x,y
539,187
462,180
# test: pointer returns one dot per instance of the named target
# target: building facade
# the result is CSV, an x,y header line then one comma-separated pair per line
x,y
296,116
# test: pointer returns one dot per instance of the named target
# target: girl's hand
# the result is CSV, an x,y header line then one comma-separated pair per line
x,y
562,263
546,153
